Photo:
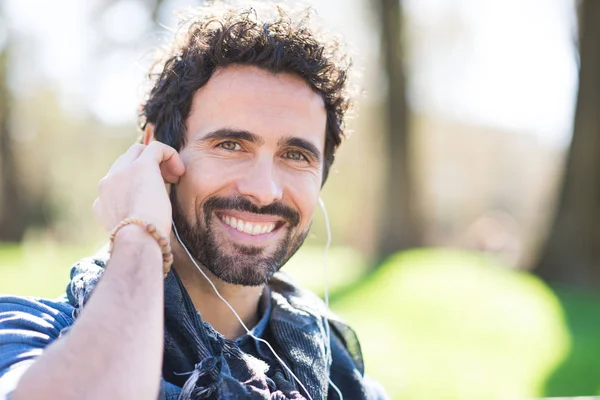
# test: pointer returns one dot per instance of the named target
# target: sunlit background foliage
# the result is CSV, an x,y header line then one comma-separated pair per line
x,y
461,256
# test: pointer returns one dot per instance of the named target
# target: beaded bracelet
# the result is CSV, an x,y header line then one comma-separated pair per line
x,y
163,242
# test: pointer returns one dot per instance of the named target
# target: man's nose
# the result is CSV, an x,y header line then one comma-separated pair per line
x,y
260,184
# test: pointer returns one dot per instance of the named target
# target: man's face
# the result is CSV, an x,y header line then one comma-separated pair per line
x,y
254,159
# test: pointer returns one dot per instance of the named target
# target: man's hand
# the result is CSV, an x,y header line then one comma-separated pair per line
x,y
114,349
135,187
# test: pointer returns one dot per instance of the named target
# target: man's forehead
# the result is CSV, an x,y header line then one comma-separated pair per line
x,y
247,95
240,83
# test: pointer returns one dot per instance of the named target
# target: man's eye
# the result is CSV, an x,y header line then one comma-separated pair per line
x,y
295,155
229,145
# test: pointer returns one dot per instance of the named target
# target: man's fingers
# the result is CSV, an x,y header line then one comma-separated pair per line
x,y
167,158
128,157
158,152
171,165
133,152
172,169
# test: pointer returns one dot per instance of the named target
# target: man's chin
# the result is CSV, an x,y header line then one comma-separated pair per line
x,y
248,252
238,249
245,273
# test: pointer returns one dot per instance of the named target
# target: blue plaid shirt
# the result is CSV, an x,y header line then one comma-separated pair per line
x,y
28,325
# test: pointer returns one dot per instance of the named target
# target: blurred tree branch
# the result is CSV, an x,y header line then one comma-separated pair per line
x,y
398,225
13,212
572,252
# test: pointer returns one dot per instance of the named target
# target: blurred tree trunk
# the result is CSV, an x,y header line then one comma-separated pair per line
x,y
155,9
572,252
398,227
13,208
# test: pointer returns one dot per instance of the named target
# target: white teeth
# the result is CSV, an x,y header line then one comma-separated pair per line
x,y
248,227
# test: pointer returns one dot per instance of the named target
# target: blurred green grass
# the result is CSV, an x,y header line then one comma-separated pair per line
x,y
433,323
38,268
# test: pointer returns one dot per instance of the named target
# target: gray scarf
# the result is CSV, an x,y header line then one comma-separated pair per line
x,y
208,366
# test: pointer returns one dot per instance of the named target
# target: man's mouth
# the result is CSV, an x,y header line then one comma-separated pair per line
x,y
253,228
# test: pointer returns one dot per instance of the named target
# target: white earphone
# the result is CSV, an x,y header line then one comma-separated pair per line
x,y
326,291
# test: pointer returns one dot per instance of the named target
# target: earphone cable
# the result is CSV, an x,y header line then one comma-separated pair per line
x,y
236,314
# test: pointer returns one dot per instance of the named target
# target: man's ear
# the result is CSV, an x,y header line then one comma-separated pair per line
x,y
148,135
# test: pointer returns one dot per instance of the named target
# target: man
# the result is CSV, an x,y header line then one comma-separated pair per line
x,y
241,124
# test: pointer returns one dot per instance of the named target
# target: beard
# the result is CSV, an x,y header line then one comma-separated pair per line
x,y
242,264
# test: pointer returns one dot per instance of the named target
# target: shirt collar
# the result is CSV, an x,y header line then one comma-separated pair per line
x,y
264,308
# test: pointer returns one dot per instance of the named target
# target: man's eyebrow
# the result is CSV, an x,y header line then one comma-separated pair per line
x,y
232,134
303,144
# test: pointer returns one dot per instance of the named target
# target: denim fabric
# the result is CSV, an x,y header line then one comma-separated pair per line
x,y
28,325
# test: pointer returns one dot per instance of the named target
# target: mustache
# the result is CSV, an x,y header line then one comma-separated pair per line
x,y
239,203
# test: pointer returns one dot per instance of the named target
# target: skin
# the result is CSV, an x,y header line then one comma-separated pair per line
x,y
125,314
272,108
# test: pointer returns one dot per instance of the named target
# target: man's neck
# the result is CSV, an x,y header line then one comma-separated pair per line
x,y
243,299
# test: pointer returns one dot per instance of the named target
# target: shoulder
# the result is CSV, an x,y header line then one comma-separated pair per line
x,y
347,368
343,338
281,284
15,310
27,326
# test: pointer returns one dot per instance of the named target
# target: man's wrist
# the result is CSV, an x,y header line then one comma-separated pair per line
x,y
163,241
136,236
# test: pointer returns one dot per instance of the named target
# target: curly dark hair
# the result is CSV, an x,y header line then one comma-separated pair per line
x,y
216,36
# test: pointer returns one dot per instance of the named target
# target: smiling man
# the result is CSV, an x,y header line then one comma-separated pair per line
x,y
254,167
240,129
